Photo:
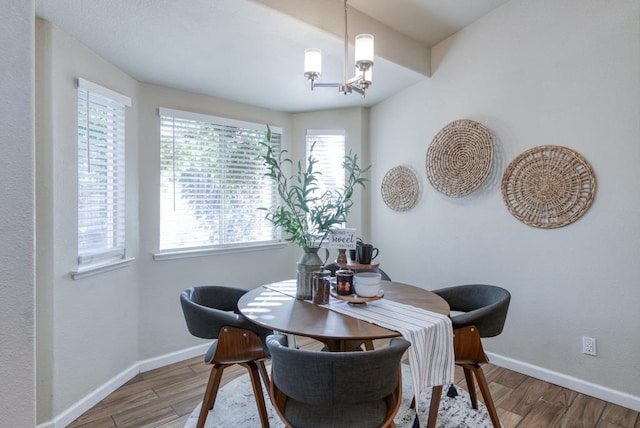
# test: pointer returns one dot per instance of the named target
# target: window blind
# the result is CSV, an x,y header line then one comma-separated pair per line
x,y
212,182
329,151
101,173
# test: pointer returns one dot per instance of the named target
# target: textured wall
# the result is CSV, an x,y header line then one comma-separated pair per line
x,y
17,312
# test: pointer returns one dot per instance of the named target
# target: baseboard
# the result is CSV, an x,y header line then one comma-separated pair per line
x,y
173,357
598,391
86,403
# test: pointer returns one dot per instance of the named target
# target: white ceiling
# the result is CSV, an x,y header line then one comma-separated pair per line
x,y
247,51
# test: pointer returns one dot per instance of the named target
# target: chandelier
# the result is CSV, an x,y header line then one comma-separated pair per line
x,y
363,63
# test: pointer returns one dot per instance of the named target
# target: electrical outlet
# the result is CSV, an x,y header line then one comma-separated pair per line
x,y
588,345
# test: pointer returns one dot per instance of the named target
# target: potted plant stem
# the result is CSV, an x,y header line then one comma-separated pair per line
x,y
305,213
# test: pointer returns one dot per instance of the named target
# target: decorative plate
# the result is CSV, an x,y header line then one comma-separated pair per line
x,y
459,158
548,186
354,298
400,188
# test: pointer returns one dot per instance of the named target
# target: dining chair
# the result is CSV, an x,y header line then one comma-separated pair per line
x,y
330,389
210,312
478,310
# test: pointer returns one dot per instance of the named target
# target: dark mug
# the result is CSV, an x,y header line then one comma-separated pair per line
x,y
352,253
344,282
365,253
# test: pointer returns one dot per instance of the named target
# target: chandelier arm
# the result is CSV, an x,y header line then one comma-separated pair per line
x,y
355,79
356,89
326,85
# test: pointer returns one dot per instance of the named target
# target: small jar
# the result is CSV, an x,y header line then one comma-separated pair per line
x,y
344,282
321,286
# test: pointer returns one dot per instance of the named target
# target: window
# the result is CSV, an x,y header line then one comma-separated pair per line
x,y
101,169
329,151
212,182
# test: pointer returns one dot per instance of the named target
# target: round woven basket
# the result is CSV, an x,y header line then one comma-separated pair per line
x,y
459,158
548,186
400,188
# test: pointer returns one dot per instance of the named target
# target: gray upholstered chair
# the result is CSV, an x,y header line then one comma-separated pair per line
x,y
484,306
482,311
211,313
336,389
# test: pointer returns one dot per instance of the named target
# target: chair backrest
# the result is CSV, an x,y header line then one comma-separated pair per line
x,y
207,308
467,346
329,378
484,306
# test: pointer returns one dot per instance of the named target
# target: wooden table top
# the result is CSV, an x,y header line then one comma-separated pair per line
x,y
282,312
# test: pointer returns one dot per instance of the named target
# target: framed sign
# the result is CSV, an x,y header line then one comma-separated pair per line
x,y
343,239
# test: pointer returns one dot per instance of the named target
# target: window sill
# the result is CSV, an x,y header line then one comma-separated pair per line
x,y
201,252
85,271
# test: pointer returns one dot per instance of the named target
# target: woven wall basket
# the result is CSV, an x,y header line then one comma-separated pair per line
x,y
400,188
548,186
459,158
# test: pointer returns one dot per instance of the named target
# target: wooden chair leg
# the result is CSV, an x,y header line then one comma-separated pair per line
x,y
436,395
210,394
486,395
264,375
413,403
368,345
470,385
254,372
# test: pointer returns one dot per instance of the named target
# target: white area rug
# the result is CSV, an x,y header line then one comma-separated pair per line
x,y
235,407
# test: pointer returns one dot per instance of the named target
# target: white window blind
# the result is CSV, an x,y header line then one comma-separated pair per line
x,y
329,151
212,182
101,174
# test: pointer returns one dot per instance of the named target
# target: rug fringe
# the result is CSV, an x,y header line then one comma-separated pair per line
x,y
452,392
416,422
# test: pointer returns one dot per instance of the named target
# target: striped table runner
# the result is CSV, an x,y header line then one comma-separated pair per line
x,y
431,335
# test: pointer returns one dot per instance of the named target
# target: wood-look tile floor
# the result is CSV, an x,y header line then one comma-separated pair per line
x,y
165,398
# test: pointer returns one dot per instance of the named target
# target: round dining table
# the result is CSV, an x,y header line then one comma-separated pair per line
x,y
275,307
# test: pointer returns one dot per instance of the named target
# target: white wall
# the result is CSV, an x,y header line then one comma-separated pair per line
x,y
87,329
534,72
17,214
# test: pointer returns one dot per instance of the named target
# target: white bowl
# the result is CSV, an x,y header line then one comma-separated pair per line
x,y
367,284
367,290
367,278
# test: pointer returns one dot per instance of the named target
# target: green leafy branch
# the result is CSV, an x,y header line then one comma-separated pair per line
x,y
305,215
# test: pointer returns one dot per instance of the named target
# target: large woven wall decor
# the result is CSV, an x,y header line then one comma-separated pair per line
x,y
548,186
400,188
459,158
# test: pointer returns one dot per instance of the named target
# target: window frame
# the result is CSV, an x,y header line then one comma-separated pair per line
x,y
211,248
110,153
